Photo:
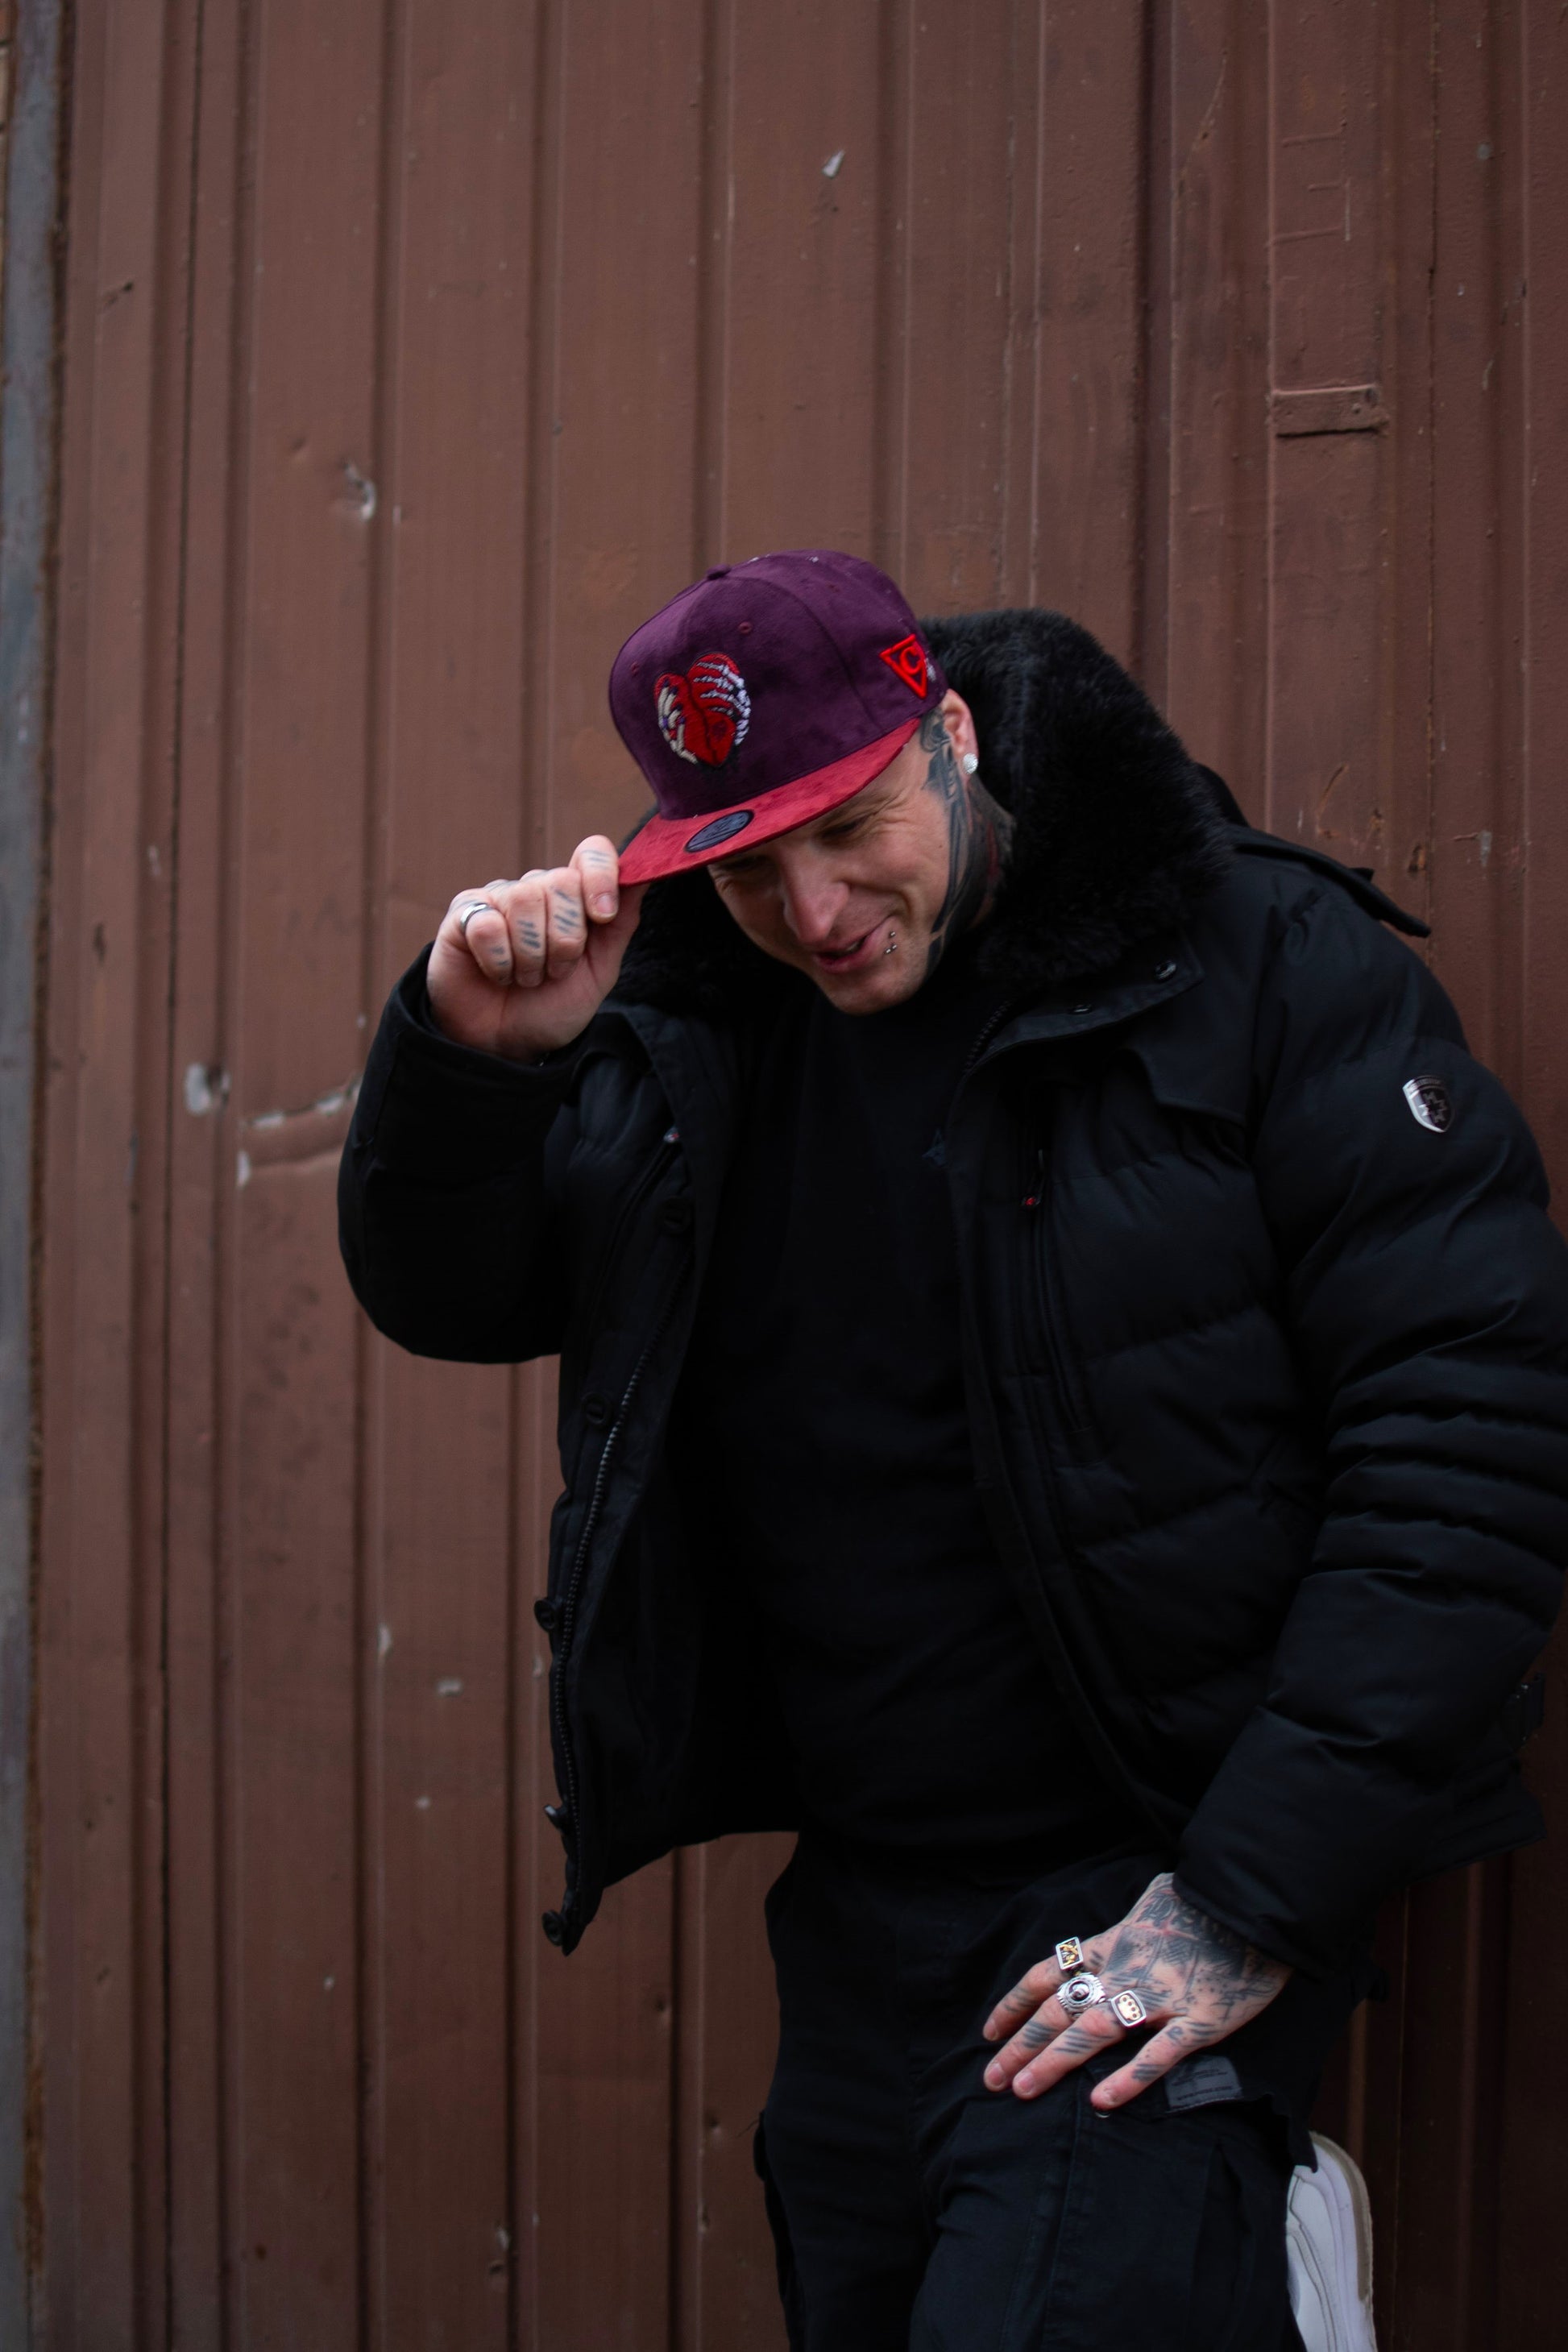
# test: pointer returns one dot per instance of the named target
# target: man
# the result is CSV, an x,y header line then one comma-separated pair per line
x,y
1064,1374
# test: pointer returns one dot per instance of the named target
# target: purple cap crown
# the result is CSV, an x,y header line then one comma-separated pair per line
x,y
763,695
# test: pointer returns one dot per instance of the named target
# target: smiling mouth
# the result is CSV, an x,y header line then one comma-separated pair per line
x,y
853,952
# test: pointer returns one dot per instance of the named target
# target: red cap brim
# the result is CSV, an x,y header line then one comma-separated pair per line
x,y
669,844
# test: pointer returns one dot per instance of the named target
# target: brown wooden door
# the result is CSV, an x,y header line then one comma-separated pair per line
x,y
414,351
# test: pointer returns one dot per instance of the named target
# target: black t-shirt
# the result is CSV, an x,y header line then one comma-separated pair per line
x,y
822,1441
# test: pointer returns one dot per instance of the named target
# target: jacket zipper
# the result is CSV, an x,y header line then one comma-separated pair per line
x,y
650,1175
580,1557
1068,1387
1073,1419
1099,1741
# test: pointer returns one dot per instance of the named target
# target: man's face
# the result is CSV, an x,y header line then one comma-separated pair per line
x,y
866,898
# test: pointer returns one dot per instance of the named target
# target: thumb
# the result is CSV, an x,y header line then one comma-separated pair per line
x,y
608,942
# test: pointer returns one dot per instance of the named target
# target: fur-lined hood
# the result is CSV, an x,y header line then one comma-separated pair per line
x,y
1119,833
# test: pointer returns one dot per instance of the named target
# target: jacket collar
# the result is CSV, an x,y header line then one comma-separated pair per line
x,y
1118,834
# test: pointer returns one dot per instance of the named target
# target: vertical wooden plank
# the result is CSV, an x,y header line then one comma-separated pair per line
x,y
1327,618
101,1795
728,2291
1205,658
307,470
202,1164
1022,254
801,261
944,304
1477,857
1087,408
438,1471
30,152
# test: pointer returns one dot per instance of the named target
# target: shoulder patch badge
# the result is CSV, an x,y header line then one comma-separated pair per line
x,y
907,660
1430,1103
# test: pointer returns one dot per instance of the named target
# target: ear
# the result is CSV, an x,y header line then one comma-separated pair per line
x,y
959,720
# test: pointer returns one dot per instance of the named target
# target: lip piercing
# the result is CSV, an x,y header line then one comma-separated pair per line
x,y
892,946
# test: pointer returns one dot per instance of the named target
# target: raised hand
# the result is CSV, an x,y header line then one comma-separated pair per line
x,y
1198,1983
518,968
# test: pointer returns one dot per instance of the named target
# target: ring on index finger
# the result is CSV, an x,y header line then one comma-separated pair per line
x,y
474,906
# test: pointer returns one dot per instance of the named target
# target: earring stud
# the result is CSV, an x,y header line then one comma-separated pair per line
x,y
971,764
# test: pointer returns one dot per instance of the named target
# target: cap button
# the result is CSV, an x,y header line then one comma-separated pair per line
x,y
716,572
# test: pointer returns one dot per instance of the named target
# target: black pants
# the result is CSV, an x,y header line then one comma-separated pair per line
x,y
914,2210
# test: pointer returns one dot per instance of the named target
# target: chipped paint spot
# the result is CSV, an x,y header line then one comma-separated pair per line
x,y
382,1639
834,165
327,1983
361,488
340,1098
242,1170
1486,849
421,1804
448,1686
207,1088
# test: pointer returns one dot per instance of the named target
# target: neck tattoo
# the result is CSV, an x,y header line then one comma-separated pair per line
x,y
979,834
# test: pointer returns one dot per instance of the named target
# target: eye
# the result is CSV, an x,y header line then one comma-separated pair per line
x,y
845,832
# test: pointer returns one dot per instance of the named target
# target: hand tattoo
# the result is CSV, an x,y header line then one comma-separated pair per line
x,y
1197,1980
979,835
1206,1977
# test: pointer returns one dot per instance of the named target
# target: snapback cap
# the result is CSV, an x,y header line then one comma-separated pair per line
x,y
762,697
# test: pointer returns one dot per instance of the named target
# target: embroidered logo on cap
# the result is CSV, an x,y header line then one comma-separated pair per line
x,y
907,660
1430,1103
723,828
704,715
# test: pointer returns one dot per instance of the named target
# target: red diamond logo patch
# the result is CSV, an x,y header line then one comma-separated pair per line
x,y
907,660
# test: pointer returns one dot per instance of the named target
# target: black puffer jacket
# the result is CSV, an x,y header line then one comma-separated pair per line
x,y
1268,1377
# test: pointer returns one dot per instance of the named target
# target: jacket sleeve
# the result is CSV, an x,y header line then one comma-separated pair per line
x,y
1426,1293
448,1189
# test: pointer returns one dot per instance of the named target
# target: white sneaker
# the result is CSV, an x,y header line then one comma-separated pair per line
x,y
1327,2244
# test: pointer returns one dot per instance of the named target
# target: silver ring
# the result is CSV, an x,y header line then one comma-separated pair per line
x,y
474,906
1070,1955
1128,2009
1080,1993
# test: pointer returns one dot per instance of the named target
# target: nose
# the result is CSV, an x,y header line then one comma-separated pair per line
x,y
811,906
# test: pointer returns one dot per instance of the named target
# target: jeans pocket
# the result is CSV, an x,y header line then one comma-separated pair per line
x,y
1171,2237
